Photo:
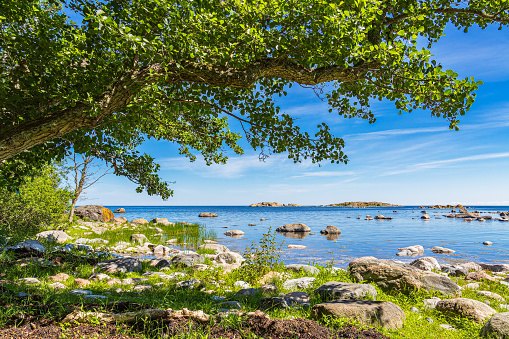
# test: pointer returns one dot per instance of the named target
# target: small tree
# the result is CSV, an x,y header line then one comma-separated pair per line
x,y
84,174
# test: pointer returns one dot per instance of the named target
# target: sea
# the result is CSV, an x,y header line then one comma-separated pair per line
x,y
359,237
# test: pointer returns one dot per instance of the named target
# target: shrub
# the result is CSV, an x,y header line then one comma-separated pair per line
x,y
36,205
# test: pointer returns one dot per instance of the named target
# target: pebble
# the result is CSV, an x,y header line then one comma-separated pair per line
x,y
415,310
428,319
447,327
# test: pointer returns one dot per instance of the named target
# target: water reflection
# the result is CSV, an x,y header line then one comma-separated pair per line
x,y
295,235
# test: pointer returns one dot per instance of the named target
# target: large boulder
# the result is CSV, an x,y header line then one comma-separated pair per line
x,y
218,248
472,309
139,221
497,326
188,260
330,230
410,251
367,312
120,265
343,290
27,245
119,210
426,264
229,258
298,227
58,236
94,213
395,276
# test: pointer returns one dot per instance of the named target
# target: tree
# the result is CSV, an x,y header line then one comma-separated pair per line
x,y
178,70
84,174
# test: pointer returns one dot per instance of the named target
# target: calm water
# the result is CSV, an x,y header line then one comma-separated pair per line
x,y
379,238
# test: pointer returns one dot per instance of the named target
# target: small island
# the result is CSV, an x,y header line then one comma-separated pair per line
x,y
273,204
363,204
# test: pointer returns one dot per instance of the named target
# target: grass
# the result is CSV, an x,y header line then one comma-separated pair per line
x,y
48,303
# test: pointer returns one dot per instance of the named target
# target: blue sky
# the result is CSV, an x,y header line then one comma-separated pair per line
x,y
411,159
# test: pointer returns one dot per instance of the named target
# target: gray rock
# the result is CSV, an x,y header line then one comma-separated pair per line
x,y
441,250
395,276
447,327
487,243
94,296
57,236
414,310
80,292
143,288
299,283
120,265
34,245
428,319
228,258
431,303
159,263
454,271
216,247
99,276
161,250
330,230
246,293
231,305
496,267
492,295
497,326
426,264
343,290
304,268
94,213
367,312
241,284
99,230
410,251
232,233
298,227
189,284
381,217
96,241
188,260
272,303
29,281
297,298
472,309
138,238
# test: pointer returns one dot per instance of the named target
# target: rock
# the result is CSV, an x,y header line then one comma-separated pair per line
x,y
414,310
138,238
478,276
471,266
120,265
441,250
300,247
207,215
242,284
343,290
367,312
472,309
119,210
262,219
381,217
33,245
496,267
229,258
497,326
410,251
188,260
57,236
189,284
431,303
231,233
268,288
143,288
120,220
114,281
425,217
99,276
246,293
139,221
29,281
81,282
59,277
299,283
487,243
94,213
455,271
396,276
231,305
426,264
492,295
161,250
428,319
298,227
97,241
297,298
447,327
471,286
117,318
99,230
270,276
304,268
162,221
271,303
58,286
80,292
330,230
216,247
159,263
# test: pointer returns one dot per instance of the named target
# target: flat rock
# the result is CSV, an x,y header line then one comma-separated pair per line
x,y
330,230
207,215
299,283
431,303
138,238
99,276
395,276
82,282
300,247
496,267
139,221
216,247
232,233
188,260
59,277
30,244
120,265
304,268
343,290
94,213
410,251
297,298
442,250
381,217
57,236
29,281
426,264
80,292
297,227
472,309
367,312
497,326
479,276
229,258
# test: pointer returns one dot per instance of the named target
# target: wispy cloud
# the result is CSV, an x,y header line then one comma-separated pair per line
x,y
395,132
323,174
441,163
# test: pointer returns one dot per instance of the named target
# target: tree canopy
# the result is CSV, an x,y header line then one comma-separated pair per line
x,y
179,70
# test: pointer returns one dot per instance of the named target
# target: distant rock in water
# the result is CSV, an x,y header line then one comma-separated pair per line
x,y
298,227
273,204
119,210
94,213
363,204
330,230
207,215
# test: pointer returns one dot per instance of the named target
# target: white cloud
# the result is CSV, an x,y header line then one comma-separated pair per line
x,y
323,174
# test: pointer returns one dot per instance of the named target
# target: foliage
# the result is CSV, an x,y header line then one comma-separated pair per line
x,y
38,204
261,258
178,71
